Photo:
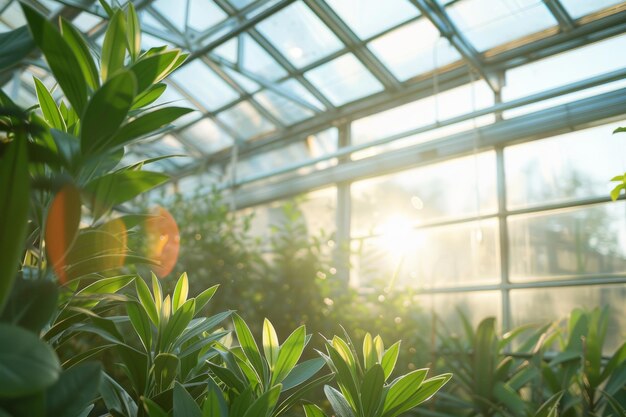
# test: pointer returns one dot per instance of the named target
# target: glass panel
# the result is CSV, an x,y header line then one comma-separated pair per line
x,y
86,21
299,34
257,60
240,4
13,16
343,80
570,242
167,145
488,23
579,8
475,305
204,85
172,11
294,87
243,81
571,166
425,194
284,109
228,50
422,258
207,136
547,304
245,120
414,49
203,14
581,63
370,17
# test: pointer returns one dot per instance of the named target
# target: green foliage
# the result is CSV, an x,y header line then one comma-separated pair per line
x,y
364,389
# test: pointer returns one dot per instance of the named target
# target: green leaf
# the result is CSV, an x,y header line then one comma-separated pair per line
x,y
153,68
344,376
141,323
146,124
429,388
114,46
184,404
106,111
60,57
389,359
369,353
147,302
31,304
289,354
264,405
74,391
204,325
311,410
15,191
338,402
165,369
133,32
215,403
86,355
550,408
248,344
78,45
302,372
27,364
402,392
372,390
49,108
107,9
204,297
157,291
149,96
619,130
178,323
614,403
152,408
270,343
15,45
118,187
180,292
615,192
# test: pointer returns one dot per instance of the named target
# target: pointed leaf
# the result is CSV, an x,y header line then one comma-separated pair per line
x,y
184,404
338,402
248,344
15,45
204,297
311,410
48,106
141,323
389,359
74,391
113,47
270,343
143,293
133,32
180,292
289,354
78,45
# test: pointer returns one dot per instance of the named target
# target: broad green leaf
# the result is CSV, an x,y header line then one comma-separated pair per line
x,y
615,192
205,325
27,364
344,376
119,187
146,124
270,343
369,353
372,390
227,376
133,32
106,111
619,130
60,57
67,144
165,313
338,402
15,191
15,45
32,304
302,391
214,403
48,106
149,96
165,369
511,399
389,359
86,355
147,302
379,346
107,8
78,45
153,68
613,402
311,410
264,405
302,372
619,178
114,46
289,354
204,297
178,323
402,391
180,292
248,344
74,391
184,404
141,323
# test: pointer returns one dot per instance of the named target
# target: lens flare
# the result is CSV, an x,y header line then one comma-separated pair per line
x,y
62,228
163,241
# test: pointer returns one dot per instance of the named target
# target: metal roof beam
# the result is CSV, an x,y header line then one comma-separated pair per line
x,y
354,44
560,14
440,19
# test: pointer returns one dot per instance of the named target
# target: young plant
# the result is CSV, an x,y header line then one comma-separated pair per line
x,y
364,390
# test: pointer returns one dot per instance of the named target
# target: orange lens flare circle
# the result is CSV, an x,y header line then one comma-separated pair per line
x,y
62,228
163,241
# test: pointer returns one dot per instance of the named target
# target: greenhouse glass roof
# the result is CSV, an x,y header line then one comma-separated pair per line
x,y
270,78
